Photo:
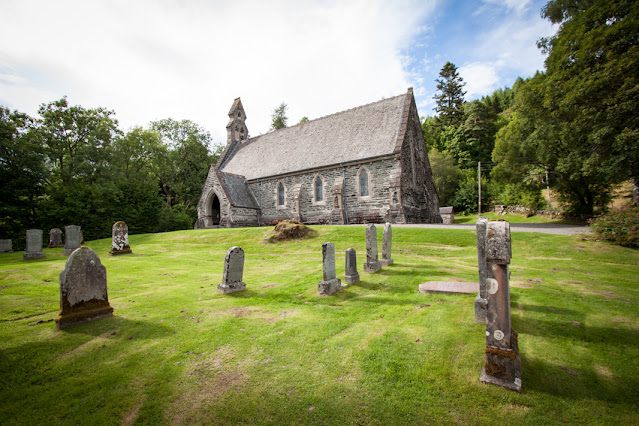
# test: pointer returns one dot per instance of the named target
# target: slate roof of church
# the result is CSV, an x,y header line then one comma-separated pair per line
x,y
371,130
237,190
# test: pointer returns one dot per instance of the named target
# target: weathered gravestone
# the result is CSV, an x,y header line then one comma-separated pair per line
x,y
502,365
83,289
72,239
120,239
330,284
233,272
372,264
55,238
34,245
480,300
387,241
6,246
351,276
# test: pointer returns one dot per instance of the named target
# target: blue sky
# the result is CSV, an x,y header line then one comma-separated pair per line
x,y
153,59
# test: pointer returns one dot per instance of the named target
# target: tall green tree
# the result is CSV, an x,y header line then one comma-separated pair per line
x,y
279,118
450,96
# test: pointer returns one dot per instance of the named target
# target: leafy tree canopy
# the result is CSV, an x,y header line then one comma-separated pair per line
x,y
279,117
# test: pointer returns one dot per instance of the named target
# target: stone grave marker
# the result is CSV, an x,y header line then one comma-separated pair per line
x,y
351,276
502,364
6,246
72,239
83,289
233,272
34,245
480,300
55,238
387,241
120,239
372,264
330,283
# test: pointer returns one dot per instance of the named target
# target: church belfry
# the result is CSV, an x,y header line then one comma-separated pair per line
x,y
236,129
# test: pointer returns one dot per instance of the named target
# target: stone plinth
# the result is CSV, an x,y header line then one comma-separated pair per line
x,y
480,300
34,245
55,238
351,276
502,365
372,264
72,239
120,239
83,289
6,246
233,272
330,283
448,287
387,241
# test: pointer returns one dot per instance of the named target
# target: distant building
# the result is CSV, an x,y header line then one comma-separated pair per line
x,y
366,164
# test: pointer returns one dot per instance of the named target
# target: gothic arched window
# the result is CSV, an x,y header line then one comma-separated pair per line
x,y
280,194
319,194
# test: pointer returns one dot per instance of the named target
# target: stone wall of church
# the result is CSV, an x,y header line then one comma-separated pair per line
x,y
239,217
373,208
212,184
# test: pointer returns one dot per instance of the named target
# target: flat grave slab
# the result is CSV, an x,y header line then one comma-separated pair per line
x,y
448,287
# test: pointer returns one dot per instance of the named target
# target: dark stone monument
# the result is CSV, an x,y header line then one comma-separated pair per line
x,y
72,239
502,365
6,246
120,239
330,283
387,241
480,300
34,245
233,272
55,238
83,289
350,274
372,264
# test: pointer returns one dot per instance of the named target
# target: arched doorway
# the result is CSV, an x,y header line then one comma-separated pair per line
x,y
215,210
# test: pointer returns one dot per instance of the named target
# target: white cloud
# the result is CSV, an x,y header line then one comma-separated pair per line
x,y
480,78
150,60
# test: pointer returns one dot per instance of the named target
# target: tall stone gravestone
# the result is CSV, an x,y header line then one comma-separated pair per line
x,y
6,246
387,241
480,300
55,238
502,365
372,264
72,239
34,245
83,289
120,239
330,283
350,273
233,272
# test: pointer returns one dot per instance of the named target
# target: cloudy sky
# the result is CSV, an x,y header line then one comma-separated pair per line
x,y
154,59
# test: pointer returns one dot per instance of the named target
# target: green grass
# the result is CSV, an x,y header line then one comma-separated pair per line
x,y
377,353
511,217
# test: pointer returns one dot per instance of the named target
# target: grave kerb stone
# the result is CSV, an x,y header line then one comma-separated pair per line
x,y
233,272
387,241
83,289
351,276
372,264
33,245
330,284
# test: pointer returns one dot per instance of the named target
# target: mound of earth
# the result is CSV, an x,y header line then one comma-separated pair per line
x,y
290,230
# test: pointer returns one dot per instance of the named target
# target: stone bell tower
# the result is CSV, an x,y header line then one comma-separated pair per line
x,y
236,129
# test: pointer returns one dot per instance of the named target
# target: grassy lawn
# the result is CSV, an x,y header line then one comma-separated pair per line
x,y
511,217
377,353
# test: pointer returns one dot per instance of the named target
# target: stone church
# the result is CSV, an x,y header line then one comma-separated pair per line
x,y
364,165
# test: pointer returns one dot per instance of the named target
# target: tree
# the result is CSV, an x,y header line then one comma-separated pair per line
x,y
23,174
303,120
451,97
447,175
279,117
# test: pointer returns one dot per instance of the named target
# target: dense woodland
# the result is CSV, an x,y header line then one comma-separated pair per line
x,y
572,127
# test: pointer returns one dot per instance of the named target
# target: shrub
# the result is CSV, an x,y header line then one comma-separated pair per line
x,y
619,226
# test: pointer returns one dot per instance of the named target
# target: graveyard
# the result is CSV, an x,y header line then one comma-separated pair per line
x,y
178,350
